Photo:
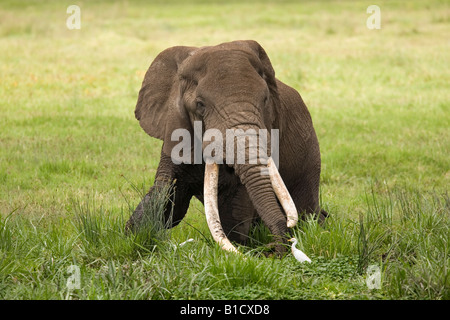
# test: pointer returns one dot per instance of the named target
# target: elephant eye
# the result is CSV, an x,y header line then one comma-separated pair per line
x,y
200,108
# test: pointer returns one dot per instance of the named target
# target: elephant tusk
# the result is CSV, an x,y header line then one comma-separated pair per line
x,y
211,207
282,194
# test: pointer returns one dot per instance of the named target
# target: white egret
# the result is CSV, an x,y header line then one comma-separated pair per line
x,y
187,241
298,254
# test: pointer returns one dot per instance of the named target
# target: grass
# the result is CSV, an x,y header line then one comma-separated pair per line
x,y
71,151
413,255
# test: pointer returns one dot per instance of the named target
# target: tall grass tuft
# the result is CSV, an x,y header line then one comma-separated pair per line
x,y
102,231
419,257
407,233
336,236
154,226
6,237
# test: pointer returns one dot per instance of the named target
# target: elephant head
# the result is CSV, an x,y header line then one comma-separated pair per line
x,y
226,87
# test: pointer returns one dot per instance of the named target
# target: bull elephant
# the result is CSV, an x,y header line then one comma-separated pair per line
x,y
228,87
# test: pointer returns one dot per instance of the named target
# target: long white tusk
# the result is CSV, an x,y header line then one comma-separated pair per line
x,y
211,207
282,194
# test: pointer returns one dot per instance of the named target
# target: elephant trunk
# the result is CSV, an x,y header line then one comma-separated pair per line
x,y
264,185
263,182
263,195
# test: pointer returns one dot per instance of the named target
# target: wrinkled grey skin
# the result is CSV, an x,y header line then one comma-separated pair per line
x,y
236,87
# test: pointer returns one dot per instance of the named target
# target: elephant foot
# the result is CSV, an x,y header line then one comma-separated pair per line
x,y
136,218
133,223
322,216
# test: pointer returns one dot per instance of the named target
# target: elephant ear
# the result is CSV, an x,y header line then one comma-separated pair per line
x,y
157,109
268,71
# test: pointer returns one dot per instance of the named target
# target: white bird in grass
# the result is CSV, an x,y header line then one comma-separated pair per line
x,y
187,241
298,254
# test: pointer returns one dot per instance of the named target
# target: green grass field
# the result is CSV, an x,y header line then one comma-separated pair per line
x,y
74,161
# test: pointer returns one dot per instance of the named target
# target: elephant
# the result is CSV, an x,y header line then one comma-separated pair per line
x,y
229,87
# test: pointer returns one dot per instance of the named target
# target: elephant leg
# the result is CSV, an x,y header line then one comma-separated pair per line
x,y
143,210
306,197
176,194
